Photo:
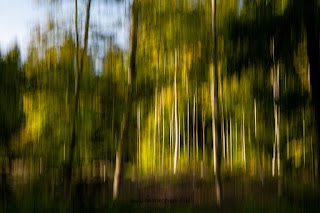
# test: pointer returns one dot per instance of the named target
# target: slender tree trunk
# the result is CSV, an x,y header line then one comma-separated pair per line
x,y
231,157
236,146
172,137
213,131
276,111
184,136
278,142
79,68
304,141
243,143
170,142
197,135
159,132
124,139
155,132
255,137
203,143
139,138
216,113
77,43
176,116
138,123
203,135
179,138
223,139
163,133
188,129
288,142
194,133
227,140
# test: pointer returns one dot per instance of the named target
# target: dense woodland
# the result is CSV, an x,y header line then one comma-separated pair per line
x,y
212,101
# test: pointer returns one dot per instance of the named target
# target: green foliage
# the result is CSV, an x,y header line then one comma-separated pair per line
x,y
11,114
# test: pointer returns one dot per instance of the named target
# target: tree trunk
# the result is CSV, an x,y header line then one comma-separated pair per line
x,y
231,157
197,135
188,130
188,120
288,142
163,134
216,113
223,139
227,140
124,139
203,135
79,68
304,141
175,116
193,142
276,110
243,142
255,137
236,146
184,136
155,132
203,143
139,138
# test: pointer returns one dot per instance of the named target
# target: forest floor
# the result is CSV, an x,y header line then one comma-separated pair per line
x,y
183,194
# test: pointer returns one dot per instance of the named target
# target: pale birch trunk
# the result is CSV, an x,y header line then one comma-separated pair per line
x,y
163,133
213,131
155,132
176,116
243,143
194,133
227,140
159,133
231,150
275,82
138,137
304,142
179,139
288,142
223,139
203,136
197,136
188,121
203,144
236,146
255,137
170,142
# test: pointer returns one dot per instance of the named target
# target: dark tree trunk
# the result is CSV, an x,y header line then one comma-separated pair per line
x,y
216,114
79,68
